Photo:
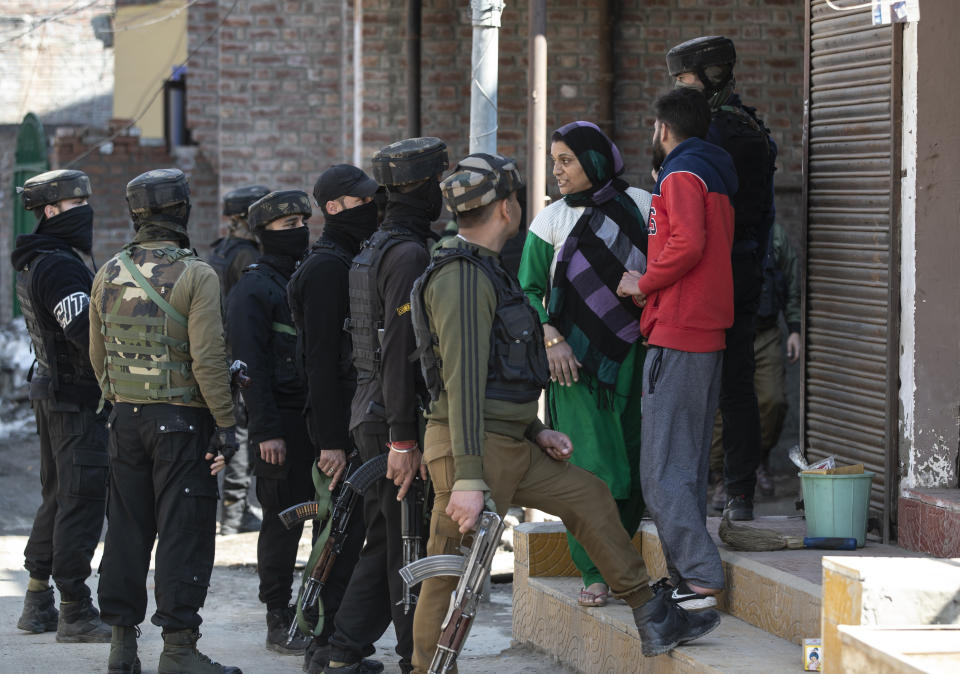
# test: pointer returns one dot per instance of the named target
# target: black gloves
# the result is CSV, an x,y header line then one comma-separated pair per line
x,y
224,441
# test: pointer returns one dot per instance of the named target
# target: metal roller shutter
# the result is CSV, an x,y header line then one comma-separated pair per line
x,y
851,164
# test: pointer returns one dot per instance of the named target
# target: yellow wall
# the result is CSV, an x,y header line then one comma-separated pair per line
x,y
143,57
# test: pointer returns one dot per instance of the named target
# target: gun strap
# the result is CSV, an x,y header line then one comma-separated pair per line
x,y
321,484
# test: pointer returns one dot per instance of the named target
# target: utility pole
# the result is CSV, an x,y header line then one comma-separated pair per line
x,y
483,81
537,109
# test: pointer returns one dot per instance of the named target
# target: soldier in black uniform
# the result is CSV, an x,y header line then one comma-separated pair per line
x,y
385,413
706,64
261,333
156,344
53,286
345,195
231,255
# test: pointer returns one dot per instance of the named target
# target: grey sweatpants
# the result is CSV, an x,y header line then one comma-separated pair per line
x,y
681,390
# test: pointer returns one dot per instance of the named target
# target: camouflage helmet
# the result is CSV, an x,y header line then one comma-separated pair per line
x,y
155,190
236,202
54,186
410,161
278,205
480,179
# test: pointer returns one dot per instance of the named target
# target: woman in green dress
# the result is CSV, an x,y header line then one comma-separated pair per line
x,y
573,258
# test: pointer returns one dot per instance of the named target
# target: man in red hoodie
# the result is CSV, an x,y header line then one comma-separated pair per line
x,y
687,295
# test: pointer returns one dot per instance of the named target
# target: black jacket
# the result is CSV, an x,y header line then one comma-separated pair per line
x,y
318,299
60,292
260,332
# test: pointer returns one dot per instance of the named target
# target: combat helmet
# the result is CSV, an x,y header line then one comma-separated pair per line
x,y
410,161
278,205
711,59
480,179
54,186
161,196
236,202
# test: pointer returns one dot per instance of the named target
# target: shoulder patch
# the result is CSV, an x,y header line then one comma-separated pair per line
x,y
403,309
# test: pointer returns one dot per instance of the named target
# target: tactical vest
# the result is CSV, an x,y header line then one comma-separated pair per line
x,y
365,323
747,141
224,252
517,369
295,291
57,357
286,379
136,318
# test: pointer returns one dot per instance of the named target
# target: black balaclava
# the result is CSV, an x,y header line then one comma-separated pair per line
x,y
74,226
353,226
285,246
416,209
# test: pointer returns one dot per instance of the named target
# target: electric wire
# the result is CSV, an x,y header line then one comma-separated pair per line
x,y
66,11
159,91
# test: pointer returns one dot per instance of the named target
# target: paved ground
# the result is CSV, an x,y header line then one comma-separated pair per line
x,y
234,629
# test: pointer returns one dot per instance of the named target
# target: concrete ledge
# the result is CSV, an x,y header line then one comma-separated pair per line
x,y
889,591
604,640
899,650
928,520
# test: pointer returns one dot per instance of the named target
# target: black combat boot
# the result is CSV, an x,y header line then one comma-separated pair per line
x,y
663,625
180,656
80,623
123,650
278,632
365,666
39,613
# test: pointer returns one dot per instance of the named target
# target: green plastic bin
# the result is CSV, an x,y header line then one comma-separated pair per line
x,y
836,506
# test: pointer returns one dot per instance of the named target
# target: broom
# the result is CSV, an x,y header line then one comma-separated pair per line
x,y
755,539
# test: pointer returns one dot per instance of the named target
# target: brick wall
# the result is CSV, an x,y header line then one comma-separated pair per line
x,y
124,159
60,69
284,98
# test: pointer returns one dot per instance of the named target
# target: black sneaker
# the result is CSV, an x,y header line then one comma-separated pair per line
x,y
739,509
663,625
683,596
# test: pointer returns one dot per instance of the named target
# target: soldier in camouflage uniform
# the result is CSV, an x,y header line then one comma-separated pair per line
x,y
231,255
156,344
261,333
53,285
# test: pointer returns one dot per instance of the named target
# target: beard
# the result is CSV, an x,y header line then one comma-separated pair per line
x,y
659,154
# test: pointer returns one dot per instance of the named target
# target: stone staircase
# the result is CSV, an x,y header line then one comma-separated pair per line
x,y
773,601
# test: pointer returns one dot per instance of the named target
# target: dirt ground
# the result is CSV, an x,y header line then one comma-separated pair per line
x,y
234,627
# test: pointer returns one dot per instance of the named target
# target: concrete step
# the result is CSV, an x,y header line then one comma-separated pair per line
x,y
900,650
887,592
594,640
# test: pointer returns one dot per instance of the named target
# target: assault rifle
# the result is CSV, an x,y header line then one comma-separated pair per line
x,y
473,570
411,531
339,518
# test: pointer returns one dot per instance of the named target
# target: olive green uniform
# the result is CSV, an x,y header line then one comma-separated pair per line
x,y
474,442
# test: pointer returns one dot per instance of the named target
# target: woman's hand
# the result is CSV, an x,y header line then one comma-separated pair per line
x,y
564,367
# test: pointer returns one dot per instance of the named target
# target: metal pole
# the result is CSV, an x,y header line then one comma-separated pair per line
x,y
537,109
413,68
483,84
358,83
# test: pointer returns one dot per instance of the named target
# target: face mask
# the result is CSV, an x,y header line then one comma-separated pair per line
x,y
359,222
75,226
286,242
434,199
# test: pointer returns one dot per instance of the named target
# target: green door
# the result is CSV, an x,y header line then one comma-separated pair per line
x,y
31,160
